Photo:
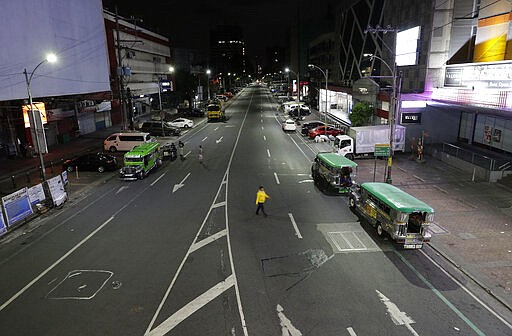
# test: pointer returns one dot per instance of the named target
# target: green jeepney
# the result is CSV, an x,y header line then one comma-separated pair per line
x,y
332,172
389,209
140,160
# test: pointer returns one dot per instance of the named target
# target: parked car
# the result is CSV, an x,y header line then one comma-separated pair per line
x,y
191,112
303,111
182,122
289,125
321,130
159,128
92,162
310,125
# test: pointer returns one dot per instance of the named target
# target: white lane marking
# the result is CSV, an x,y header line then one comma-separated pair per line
x,y
261,120
419,178
121,189
204,138
187,154
219,140
398,317
287,328
158,179
277,178
300,149
262,128
351,331
192,307
306,181
440,189
181,184
216,128
43,273
295,227
268,153
265,138
467,291
208,240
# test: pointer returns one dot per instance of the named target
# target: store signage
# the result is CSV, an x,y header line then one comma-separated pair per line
x,y
477,76
411,118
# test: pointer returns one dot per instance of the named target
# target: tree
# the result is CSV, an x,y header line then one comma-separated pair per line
x,y
361,114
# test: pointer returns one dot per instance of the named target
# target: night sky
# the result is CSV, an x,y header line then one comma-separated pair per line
x,y
187,23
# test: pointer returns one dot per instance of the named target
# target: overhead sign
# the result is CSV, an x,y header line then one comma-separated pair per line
x,y
381,150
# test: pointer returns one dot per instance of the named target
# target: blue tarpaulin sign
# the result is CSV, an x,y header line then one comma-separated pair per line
x,y
17,206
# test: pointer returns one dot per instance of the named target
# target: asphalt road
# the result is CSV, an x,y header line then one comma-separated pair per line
x,y
182,252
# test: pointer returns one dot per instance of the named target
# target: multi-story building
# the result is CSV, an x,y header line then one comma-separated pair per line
x,y
140,66
227,50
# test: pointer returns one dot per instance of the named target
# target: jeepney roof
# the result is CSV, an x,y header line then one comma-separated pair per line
x,y
142,149
396,198
335,160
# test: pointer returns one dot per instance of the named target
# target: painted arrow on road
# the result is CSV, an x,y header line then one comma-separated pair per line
x,y
181,184
219,140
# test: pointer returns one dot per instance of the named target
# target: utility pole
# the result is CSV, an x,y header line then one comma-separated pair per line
x,y
120,74
396,87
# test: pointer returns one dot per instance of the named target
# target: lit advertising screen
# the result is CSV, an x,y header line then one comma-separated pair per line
x,y
407,46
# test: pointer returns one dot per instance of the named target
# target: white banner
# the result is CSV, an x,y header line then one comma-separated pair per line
x,y
57,191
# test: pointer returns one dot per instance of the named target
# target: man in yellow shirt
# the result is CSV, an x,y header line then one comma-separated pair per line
x,y
261,197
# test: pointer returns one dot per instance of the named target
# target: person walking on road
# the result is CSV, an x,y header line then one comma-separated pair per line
x,y
181,147
261,197
201,153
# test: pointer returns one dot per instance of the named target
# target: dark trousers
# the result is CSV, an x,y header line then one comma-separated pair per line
x,y
260,207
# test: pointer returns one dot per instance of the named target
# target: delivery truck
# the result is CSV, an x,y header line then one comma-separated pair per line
x,y
360,141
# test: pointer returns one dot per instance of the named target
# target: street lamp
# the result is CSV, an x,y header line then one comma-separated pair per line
x,y
326,75
392,110
288,70
208,72
36,122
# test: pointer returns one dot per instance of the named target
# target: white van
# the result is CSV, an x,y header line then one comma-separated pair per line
x,y
125,141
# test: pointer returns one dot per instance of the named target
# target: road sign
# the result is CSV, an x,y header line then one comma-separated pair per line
x,y
381,150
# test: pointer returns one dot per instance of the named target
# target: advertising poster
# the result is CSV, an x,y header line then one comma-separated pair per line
x,y
36,194
17,206
64,175
57,190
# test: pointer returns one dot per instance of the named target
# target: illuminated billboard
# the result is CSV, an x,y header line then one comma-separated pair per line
x,y
407,46
37,107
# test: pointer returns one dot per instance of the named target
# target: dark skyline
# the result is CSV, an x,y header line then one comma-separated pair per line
x,y
187,23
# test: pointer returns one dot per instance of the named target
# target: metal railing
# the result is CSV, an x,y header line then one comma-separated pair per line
x,y
477,159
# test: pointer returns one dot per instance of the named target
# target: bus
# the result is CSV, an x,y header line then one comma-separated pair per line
x,y
140,160
390,210
333,172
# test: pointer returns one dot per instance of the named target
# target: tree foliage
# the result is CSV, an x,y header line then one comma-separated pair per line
x,y
361,114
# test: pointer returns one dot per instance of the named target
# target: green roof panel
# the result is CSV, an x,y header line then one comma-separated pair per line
x,y
335,160
396,198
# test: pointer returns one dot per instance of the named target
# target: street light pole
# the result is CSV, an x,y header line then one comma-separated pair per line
x,y
326,75
51,58
208,72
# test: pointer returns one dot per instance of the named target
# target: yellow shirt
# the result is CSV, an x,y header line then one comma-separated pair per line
x,y
261,196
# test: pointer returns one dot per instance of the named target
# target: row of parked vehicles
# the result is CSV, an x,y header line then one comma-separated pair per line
x,y
387,208
390,210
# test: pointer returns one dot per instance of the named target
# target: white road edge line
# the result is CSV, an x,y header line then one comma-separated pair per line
x,y
467,290
277,178
27,286
295,227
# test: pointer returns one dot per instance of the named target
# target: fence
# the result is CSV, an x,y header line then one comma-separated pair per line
x,y
479,160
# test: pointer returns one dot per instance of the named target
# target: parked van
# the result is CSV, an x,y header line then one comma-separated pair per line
x,y
125,141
